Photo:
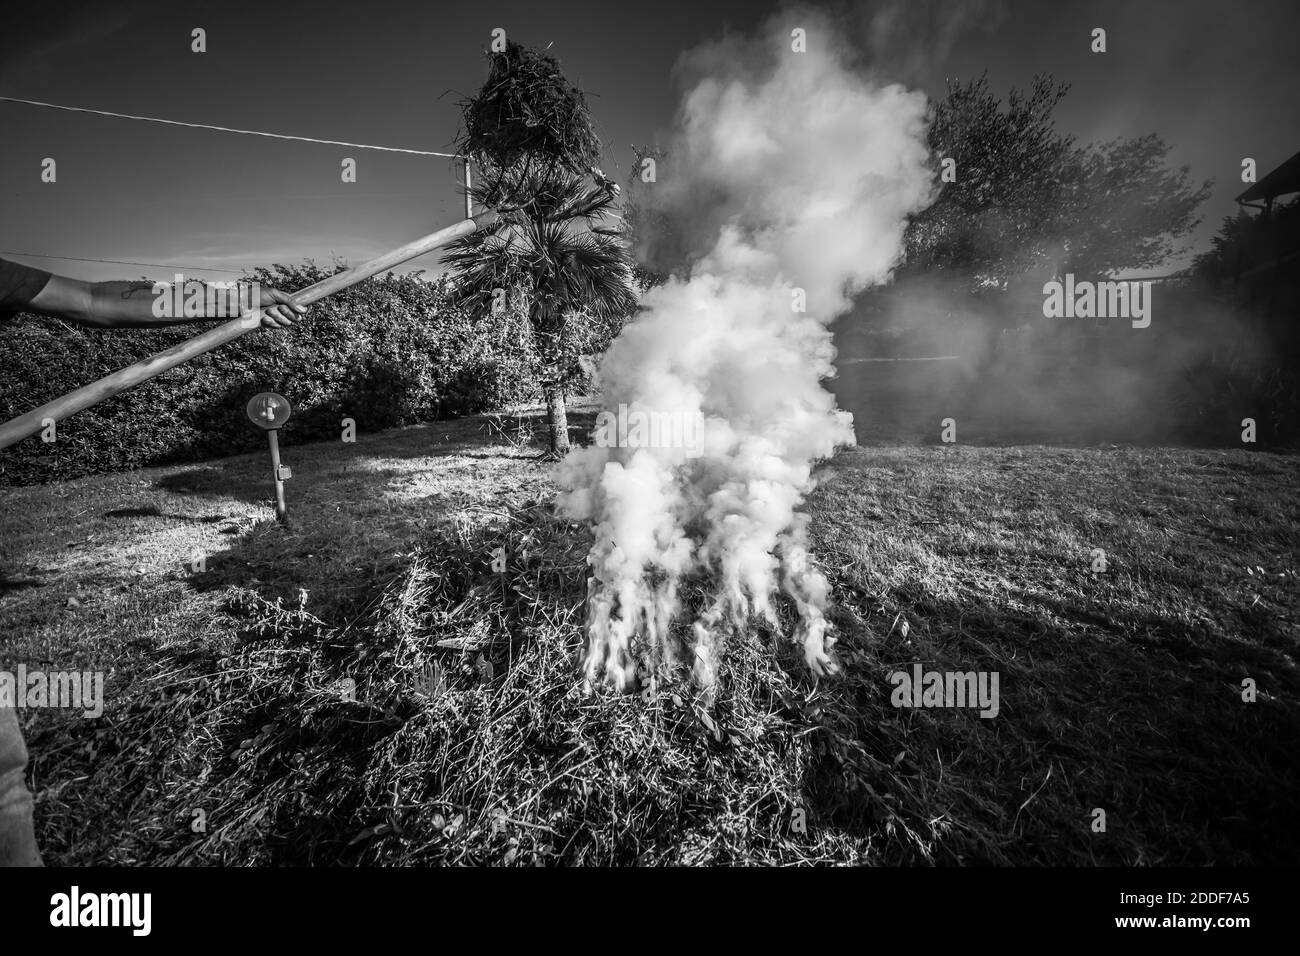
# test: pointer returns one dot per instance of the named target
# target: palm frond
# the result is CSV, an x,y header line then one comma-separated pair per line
x,y
554,242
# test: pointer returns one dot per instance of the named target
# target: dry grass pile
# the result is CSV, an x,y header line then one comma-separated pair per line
x,y
448,726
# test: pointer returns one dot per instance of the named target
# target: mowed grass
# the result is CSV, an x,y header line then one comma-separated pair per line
x,y
232,734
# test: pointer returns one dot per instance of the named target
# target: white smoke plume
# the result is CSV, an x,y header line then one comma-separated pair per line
x,y
789,172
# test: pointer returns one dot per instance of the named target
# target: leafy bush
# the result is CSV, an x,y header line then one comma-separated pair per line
x,y
1221,390
390,351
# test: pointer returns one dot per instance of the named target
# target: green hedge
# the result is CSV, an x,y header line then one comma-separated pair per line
x,y
390,351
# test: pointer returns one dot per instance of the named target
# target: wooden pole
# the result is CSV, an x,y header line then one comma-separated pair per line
x,y
31,422
469,200
281,510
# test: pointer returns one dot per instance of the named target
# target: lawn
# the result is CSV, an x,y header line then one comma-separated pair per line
x,y
362,687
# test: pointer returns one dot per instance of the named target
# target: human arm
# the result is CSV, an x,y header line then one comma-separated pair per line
x,y
134,304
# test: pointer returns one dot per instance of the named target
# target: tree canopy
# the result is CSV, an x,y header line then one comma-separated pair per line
x,y
1027,197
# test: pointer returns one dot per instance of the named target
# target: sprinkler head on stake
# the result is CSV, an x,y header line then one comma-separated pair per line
x,y
268,410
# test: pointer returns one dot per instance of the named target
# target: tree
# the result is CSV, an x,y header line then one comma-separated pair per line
x,y
1245,242
552,252
1026,198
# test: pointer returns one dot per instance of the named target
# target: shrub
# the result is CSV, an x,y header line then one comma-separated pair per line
x,y
1222,390
390,351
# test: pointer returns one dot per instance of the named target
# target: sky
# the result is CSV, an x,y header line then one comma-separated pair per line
x,y
1219,81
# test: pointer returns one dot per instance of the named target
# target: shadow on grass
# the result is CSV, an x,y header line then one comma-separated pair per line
x,y
227,481
152,511
1154,732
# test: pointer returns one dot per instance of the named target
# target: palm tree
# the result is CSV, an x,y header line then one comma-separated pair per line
x,y
552,251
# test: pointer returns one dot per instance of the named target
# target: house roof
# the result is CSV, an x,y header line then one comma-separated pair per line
x,y
1281,181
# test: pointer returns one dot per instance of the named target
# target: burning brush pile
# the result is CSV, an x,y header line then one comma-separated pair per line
x,y
786,190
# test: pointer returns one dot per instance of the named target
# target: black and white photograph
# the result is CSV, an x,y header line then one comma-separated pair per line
x,y
853,442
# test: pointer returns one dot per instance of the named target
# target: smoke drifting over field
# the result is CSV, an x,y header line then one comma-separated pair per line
x,y
789,175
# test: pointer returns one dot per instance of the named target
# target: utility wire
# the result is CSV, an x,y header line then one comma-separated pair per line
x,y
222,129
122,262
225,129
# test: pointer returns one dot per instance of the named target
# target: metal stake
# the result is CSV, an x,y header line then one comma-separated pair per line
x,y
281,472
